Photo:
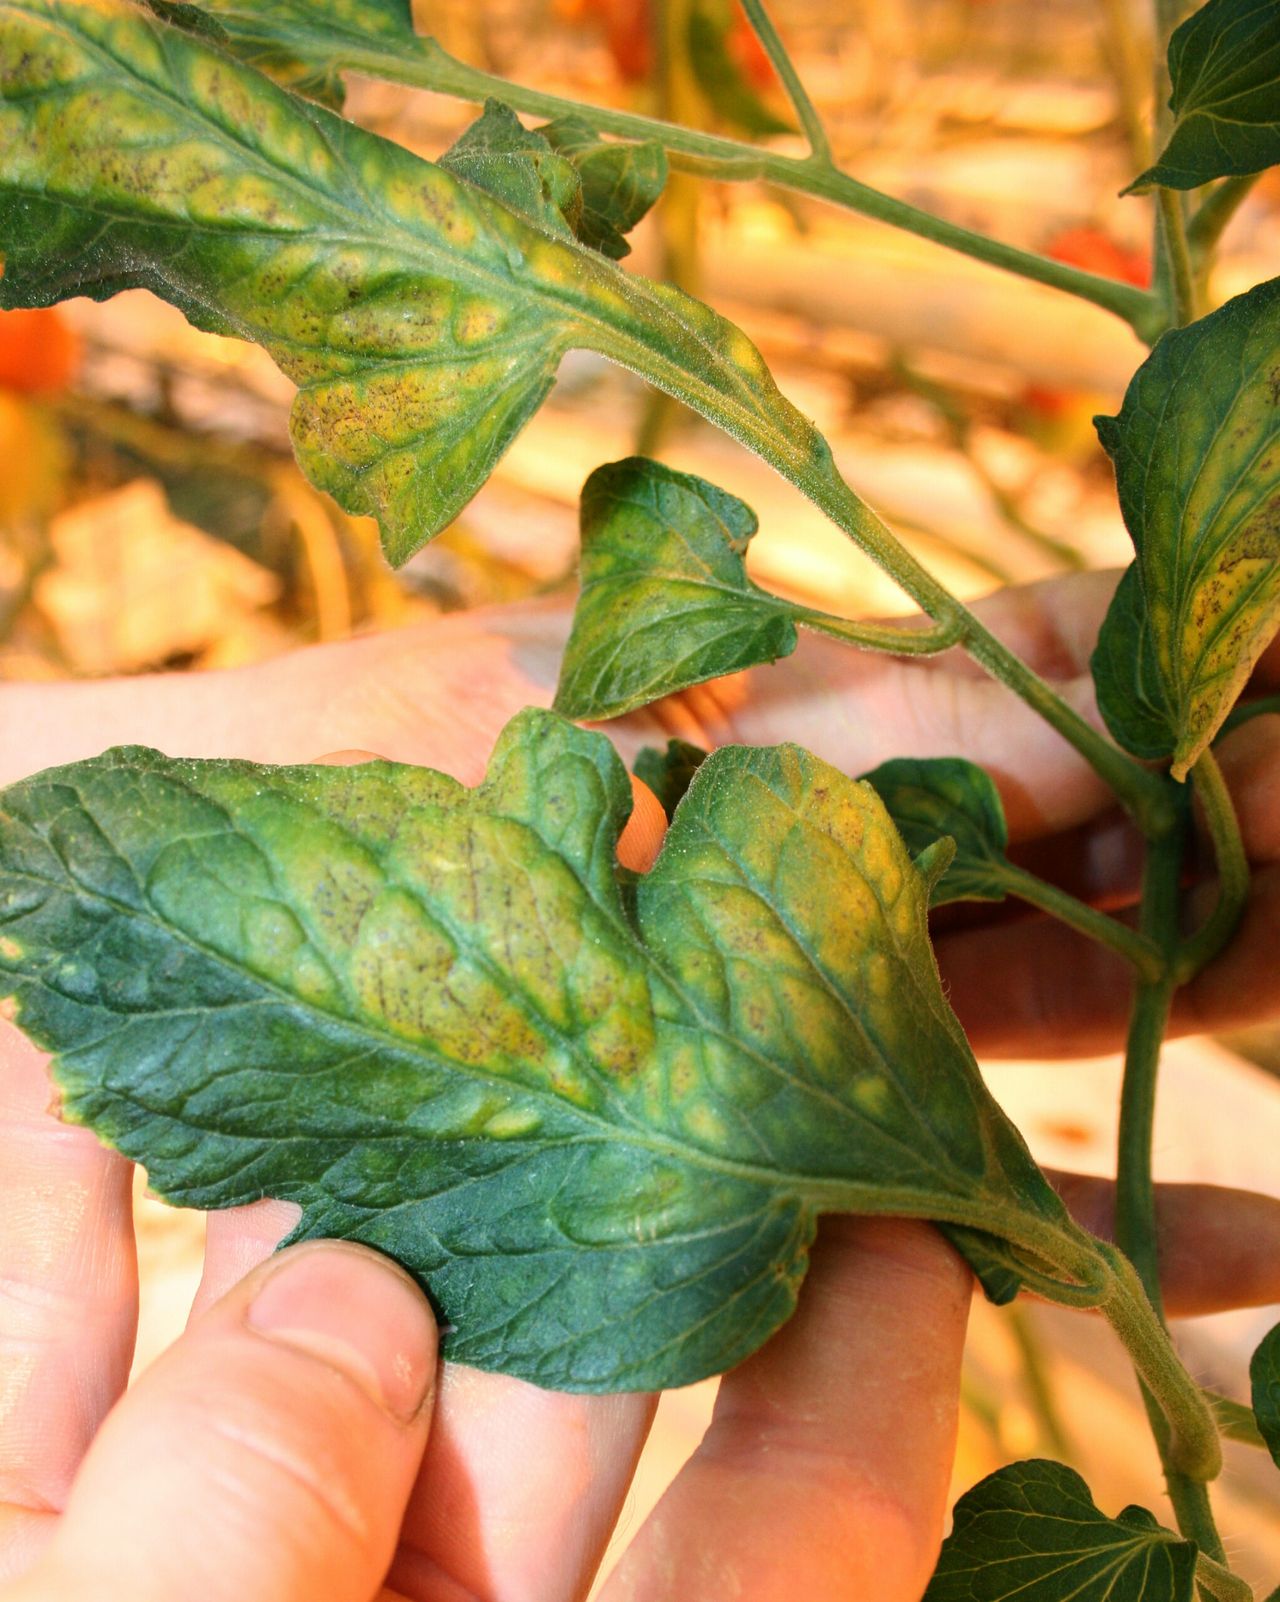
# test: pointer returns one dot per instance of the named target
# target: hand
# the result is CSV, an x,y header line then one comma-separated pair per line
x,y
439,693
277,1450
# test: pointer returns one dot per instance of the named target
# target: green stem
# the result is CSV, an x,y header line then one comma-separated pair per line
x,y
900,640
1219,1582
1215,212
1183,1422
777,53
1236,1421
1143,953
426,65
1182,282
1233,870
1144,794
1246,712
1136,1233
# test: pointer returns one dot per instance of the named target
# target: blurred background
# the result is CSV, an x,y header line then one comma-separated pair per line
x,y
151,517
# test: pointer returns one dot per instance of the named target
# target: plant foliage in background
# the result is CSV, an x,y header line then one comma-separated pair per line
x,y
598,1113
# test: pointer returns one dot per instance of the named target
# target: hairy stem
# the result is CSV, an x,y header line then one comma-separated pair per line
x,y
805,109
1236,1421
1233,870
1219,1582
1136,1233
899,639
426,65
1182,280
1129,943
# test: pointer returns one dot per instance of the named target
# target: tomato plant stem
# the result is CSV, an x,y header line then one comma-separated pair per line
x,y
1129,943
1210,221
1219,1582
427,65
805,109
1248,710
1233,870
1182,282
1136,1233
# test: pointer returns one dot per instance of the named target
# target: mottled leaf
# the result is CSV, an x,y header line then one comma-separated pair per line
x,y
665,601
669,773
720,76
422,320
596,1113
1031,1531
1264,1375
620,182
931,797
1196,448
517,166
1224,64
1126,675
293,40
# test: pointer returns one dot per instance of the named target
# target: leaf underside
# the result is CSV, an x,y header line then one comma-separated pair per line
x,y
422,320
1031,1530
665,600
1224,64
596,1115
1196,448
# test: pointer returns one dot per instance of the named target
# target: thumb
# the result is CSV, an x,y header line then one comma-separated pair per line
x,y
268,1454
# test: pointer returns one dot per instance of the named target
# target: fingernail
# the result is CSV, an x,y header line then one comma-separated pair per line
x,y
359,1314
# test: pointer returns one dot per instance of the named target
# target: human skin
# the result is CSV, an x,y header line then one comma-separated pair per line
x,y
246,1465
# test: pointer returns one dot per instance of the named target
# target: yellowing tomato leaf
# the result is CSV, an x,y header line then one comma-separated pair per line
x,y
1224,64
1031,1530
422,320
929,798
1196,448
596,1114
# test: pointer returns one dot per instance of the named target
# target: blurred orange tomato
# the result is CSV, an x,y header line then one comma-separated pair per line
x,y
628,31
38,352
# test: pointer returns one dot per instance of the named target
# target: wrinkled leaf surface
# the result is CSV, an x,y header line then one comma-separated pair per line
x,y
1196,448
1032,1531
597,1115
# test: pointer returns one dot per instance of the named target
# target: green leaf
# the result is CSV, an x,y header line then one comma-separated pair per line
x,y
669,773
665,601
1032,1531
423,321
620,182
596,1113
1264,1375
1224,63
728,91
278,37
1126,675
500,155
1195,448
932,797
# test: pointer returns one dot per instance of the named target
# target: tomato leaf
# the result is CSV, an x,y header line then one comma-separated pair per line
x,y
1126,675
930,798
422,320
1264,1375
278,37
665,601
669,773
1032,1530
620,182
517,166
1196,448
597,1114
1224,64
